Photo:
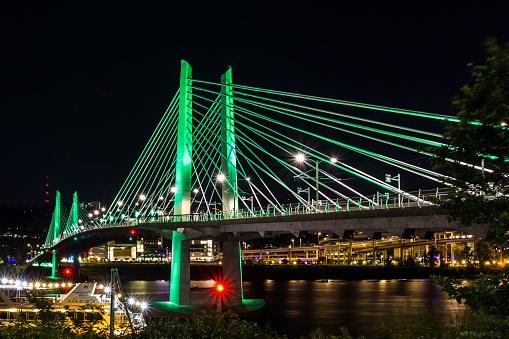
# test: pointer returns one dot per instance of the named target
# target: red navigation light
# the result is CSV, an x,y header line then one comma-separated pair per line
x,y
46,250
132,232
67,271
220,288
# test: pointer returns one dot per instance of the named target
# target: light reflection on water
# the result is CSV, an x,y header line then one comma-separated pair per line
x,y
297,307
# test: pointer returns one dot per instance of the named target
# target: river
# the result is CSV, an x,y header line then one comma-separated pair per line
x,y
297,307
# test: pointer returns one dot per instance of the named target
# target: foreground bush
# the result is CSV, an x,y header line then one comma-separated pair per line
x,y
207,325
463,324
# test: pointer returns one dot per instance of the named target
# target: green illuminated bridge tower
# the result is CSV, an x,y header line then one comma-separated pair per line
x,y
180,276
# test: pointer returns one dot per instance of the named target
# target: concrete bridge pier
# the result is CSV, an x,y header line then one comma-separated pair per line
x,y
180,293
232,270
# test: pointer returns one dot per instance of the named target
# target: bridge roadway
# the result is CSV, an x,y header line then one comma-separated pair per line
x,y
402,222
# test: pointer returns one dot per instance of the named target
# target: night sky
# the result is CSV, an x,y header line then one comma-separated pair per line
x,y
83,84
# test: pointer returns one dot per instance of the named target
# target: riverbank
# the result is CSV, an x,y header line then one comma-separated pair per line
x,y
133,271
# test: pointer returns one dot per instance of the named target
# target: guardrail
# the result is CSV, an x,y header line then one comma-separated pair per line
x,y
377,201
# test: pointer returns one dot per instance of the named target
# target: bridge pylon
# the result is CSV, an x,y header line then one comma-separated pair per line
x,y
180,270
232,268
228,150
184,165
54,228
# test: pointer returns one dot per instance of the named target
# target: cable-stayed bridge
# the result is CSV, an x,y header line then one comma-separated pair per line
x,y
234,162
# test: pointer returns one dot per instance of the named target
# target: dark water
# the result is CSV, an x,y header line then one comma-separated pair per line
x,y
298,307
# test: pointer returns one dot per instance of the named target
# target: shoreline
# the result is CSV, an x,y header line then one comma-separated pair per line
x,y
253,273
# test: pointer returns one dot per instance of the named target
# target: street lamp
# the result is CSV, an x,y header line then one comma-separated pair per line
x,y
389,178
301,158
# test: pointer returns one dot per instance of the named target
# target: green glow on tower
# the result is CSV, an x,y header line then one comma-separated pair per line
x,y
56,220
176,245
53,264
228,149
240,270
184,163
71,226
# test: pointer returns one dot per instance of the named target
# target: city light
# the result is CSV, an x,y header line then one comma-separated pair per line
x,y
300,157
220,177
143,306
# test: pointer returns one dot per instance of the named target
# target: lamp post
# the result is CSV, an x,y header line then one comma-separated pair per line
x,y
389,178
301,158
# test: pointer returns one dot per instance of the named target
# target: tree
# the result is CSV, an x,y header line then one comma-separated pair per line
x,y
476,157
476,161
482,252
489,293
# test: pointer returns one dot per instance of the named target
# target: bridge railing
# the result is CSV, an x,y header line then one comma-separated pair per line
x,y
376,201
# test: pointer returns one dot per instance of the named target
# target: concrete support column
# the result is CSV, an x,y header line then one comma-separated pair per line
x,y
180,292
339,251
54,266
350,256
402,256
232,270
374,252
